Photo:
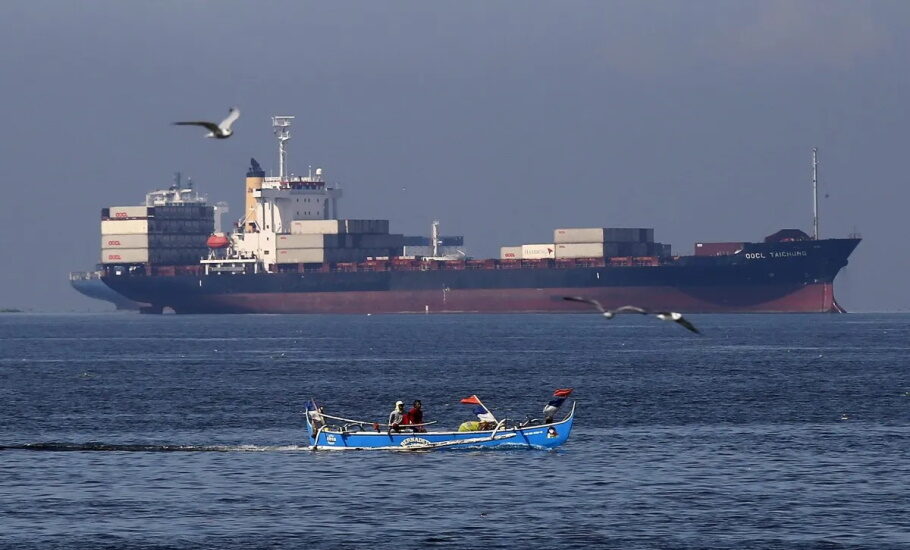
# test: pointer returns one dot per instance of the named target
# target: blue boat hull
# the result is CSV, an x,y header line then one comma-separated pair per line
x,y
546,436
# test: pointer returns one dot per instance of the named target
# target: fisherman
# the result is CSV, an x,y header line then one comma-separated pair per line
x,y
396,417
315,413
415,416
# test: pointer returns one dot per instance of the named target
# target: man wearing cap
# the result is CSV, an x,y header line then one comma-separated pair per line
x,y
396,417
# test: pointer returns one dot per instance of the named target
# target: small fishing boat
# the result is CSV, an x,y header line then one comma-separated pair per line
x,y
335,433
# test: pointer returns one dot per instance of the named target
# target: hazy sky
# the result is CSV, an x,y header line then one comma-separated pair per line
x,y
504,119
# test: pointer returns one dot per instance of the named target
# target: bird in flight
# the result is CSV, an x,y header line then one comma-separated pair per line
x,y
221,130
610,313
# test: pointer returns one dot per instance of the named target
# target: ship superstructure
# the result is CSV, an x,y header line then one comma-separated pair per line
x,y
290,253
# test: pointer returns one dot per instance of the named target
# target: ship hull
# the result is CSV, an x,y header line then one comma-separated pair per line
x,y
95,288
766,298
780,277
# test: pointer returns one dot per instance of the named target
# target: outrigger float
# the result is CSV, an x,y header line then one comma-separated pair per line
x,y
334,433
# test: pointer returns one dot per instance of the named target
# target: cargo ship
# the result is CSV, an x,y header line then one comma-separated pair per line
x,y
291,253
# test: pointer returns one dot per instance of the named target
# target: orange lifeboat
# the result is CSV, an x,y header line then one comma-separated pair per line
x,y
217,241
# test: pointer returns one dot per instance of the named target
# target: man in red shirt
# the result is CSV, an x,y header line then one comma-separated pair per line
x,y
415,416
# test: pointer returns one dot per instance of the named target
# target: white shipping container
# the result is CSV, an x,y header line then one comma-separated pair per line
x,y
124,255
124,227
309,240
303,255
579,250
510,253
579,235
122,212
324,227
537,251
339,226
124,241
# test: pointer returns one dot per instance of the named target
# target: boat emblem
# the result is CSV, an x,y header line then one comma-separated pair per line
x,y
551,432
414,442
330,439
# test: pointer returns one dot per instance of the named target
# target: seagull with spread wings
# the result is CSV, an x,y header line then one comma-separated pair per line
x,y
221,130
610,313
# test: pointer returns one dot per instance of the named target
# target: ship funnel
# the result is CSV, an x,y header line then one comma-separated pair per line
x,y
254,177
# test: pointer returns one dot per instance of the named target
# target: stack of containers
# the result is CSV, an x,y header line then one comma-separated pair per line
x,y
162,235
607,242
334,241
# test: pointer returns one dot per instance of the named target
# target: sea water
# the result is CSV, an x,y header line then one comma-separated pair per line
x,y
768,431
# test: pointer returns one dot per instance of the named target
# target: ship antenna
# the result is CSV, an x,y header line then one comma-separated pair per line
x,y
282,128
815,193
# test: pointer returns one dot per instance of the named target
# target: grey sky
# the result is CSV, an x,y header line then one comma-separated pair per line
x,y
503,119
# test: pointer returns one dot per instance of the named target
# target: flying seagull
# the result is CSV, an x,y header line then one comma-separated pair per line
x,y
217,131
610,313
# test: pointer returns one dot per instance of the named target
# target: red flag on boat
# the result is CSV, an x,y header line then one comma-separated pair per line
x,y
562,392
473,400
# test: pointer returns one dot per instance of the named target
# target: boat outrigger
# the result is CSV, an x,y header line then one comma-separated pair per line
x,y
327,432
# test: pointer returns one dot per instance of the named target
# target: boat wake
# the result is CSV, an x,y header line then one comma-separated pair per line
x,y
112,447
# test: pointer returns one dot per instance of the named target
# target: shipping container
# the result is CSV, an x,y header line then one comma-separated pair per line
x,y
161,256
537,251
124,227
632,249
717,249
604,234
178,226
510,253
366,226
309,240
629,234
124,256
182,212
322,255
166,240
579,250
125,212
579,235
303,227
339,226
154,240
124,241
